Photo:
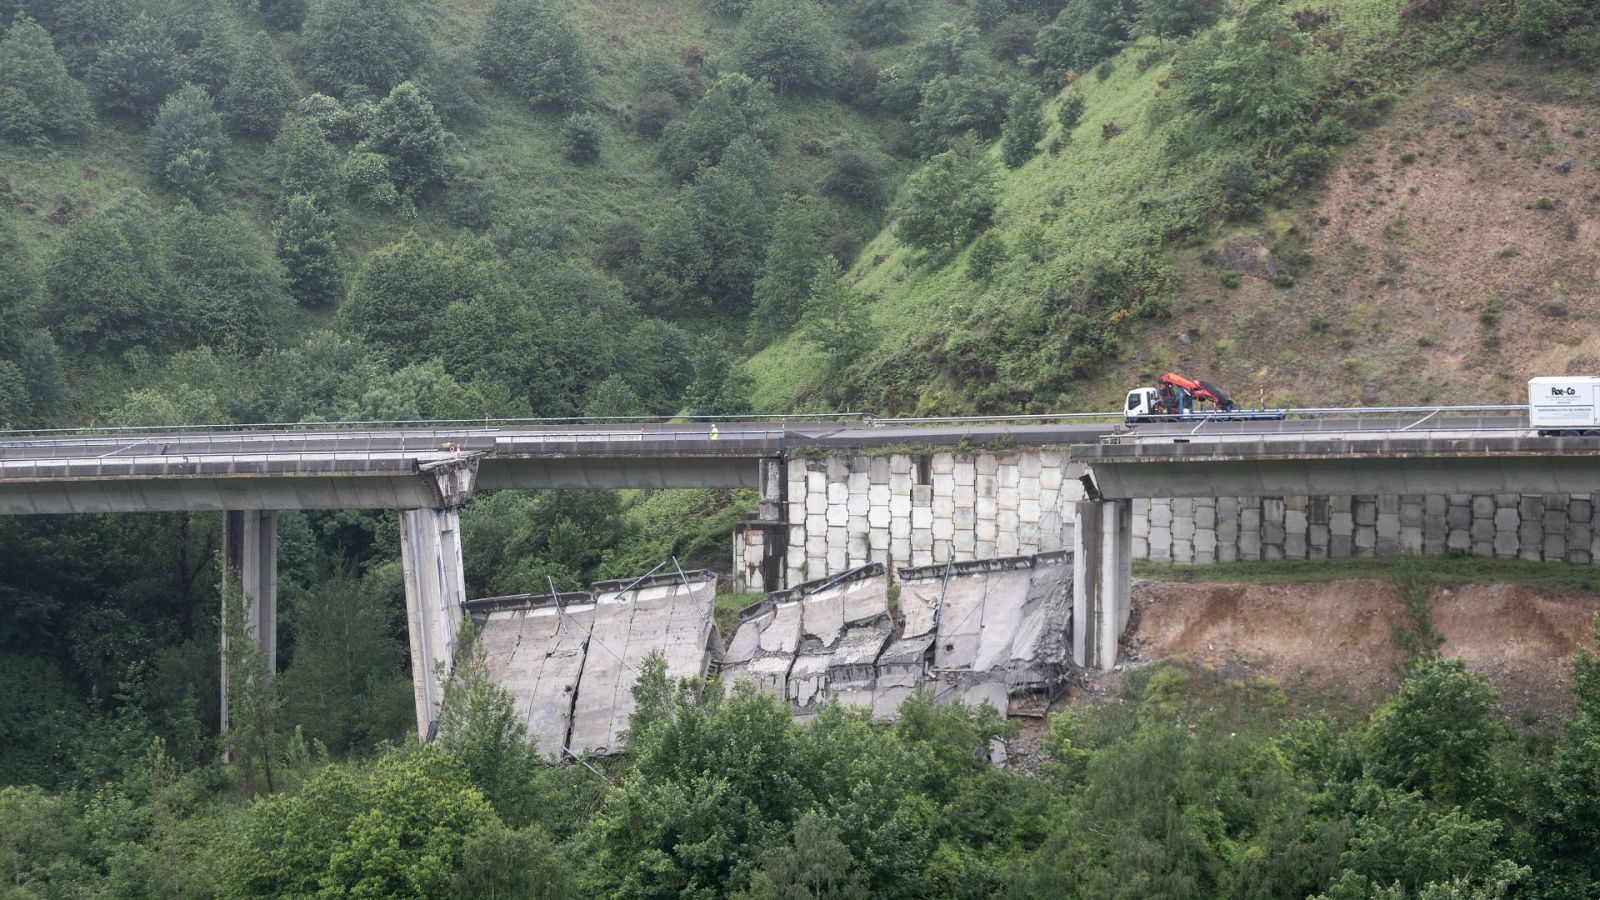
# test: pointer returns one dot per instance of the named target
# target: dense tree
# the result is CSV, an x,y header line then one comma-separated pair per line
x,y
455,88
401,288
1070,112
1257,82
1084,33
309,251
227,280
580,138
734,106
40,361
799,243
260,90
946,202
1566,811
79,27
835,319
284,15
104,293
878,22
1163,19
39,100
855,174
497,861
134,73
790,44
529,47
721,386
408,133
307,163
972,100
1024,127
731,219
611,398
989,252
203,32
369,44
187,149
814,863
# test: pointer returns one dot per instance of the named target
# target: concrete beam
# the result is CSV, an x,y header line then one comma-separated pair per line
x,y
586,472
1102,578
1271,475
395,490
250,555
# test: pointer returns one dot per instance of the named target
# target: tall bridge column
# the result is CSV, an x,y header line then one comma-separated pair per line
x,y
761,543
250,556
1102,576
430,556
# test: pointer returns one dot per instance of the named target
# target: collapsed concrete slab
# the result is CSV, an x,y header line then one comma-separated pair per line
x,y
631,619
534,647
570,661
996,631
1001,629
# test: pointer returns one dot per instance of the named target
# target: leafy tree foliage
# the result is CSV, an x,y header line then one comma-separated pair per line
x,y
836,318
39,100
611,398
721,386
815,863
1084,33
456,89
855,175
580,138
187,149
799,242
368,44
307,162
878,22
104,291
1024,127
989,252
497,861
734,106
1566,810
408,133
134,73
974,99
260,89
652,113
1164,19
946,202
227,280
790,44
80,27
19,280
1070,112
529,47
309,251
1257,82
401,289
284,15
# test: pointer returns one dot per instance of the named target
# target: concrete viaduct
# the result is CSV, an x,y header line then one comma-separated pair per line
x,y
832,494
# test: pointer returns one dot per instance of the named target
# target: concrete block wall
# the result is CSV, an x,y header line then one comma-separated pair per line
x,y
838,512
1548,527
921,509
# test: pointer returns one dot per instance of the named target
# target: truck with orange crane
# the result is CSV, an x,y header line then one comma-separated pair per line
x,y
1174,399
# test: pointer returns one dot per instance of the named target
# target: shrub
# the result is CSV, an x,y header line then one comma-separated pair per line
x,y
260,90
1024,127
989,252
1071,111
530,47
1230,279
790,44
310,253
855,175
580,138
652,113
370,44
878,22
408,132
187,149
38,100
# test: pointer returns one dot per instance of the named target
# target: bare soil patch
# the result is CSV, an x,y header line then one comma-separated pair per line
x,y
1330,644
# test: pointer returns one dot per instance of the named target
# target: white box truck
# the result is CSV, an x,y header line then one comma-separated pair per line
x,y
1564,405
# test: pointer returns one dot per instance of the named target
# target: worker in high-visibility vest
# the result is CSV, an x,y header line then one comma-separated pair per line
x,y
714,434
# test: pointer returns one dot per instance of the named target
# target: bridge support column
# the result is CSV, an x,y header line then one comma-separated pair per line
x,y
761,544
250,559
430,557
1101,580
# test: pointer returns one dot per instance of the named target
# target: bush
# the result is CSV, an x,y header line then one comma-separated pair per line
x,y
855,175
790,44
134,73
989,252
1070,112
580,138
409,134
260,90
310,253
652,113
530,47
370,44
878,22
1024,127
1540,23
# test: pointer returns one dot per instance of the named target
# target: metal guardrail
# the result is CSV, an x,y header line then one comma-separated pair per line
x,y
1344,434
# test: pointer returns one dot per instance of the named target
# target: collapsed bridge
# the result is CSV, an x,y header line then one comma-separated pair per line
x,y
996,631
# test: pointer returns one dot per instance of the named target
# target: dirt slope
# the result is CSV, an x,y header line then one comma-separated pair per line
x,y
1330,644
1453,254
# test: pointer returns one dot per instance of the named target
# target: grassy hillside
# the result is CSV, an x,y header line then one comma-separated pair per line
x,y
1414,244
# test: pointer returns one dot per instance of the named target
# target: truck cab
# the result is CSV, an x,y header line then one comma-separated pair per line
x,y
1140,406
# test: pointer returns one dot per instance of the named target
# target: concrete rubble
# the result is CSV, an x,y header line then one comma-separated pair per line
x,y
996,630
570,660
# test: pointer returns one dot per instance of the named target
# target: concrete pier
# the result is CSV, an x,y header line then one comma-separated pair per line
x,y
430,557
250,555
1101,580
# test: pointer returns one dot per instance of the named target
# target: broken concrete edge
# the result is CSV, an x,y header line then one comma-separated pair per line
x,y
801,591
620,585
515,602
979,566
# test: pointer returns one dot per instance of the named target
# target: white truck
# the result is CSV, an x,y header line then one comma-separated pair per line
x,y
1564,405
